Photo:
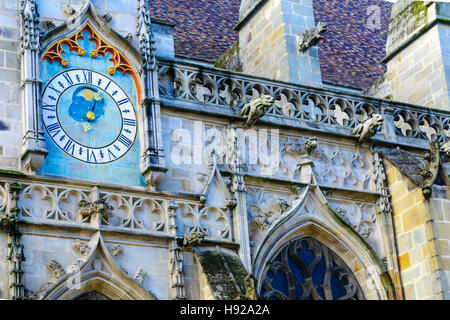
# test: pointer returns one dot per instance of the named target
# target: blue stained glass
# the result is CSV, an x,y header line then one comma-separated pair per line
x,y
305,269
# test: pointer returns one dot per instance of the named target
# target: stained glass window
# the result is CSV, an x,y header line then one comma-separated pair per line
x,y
305,269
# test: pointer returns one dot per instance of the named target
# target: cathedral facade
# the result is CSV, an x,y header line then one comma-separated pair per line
x,y
254,149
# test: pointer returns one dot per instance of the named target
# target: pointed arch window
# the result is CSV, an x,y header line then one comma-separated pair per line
x,y
305,269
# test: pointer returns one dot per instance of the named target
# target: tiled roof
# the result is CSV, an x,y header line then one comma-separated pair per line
x,y
204,28
350,53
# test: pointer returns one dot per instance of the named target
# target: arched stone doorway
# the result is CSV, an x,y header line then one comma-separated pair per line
x,y
305,269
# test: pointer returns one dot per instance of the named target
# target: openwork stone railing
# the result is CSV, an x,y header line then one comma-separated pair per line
x,y
121,210
215,91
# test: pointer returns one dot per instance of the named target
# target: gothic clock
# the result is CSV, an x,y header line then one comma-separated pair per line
x,y
88,106
89,116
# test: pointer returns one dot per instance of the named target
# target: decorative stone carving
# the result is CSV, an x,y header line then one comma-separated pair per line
x,y
368,129
15,254
33,146
365,229
343,166
128,37
297,149
8,219
107,17
311,37
284,206
140,275
69,11
176,271
360,216
255,109
250,289
192,239
152,164
100,207
48,25
264,207
55,268
430,167
116,250
298,190
422,172
98,261
445,148
81,247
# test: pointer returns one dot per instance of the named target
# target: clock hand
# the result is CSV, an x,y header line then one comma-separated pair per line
x,y
91,115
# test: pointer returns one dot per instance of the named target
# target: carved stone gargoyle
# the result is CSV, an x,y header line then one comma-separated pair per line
x,y
422,172
311,37
255,109
368,128
97,207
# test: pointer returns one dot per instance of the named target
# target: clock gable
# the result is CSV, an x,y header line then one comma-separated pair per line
x,y
90,95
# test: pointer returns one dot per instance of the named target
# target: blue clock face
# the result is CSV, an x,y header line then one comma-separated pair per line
x,y
89,116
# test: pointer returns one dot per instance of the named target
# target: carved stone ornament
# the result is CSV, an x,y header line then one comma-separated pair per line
x,y
106,17
69,11
56,269
311,37
297,149
422,172
284,205
81,247
250,289
192,239
430,168
97,207
368,129
255,109
445,148
140,275
33,141
7,219
116,250
99,266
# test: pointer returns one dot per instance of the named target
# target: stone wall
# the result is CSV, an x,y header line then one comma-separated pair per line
x,y
10,112
418,62
440,214
267,42
417,75
122,12
417,240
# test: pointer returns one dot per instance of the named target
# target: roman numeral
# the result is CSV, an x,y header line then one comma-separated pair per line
x,y
125,141
53,88
69,147
68,78
49,107
107,85
129,122
111,154
54,127
87,76
123,101
90,155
